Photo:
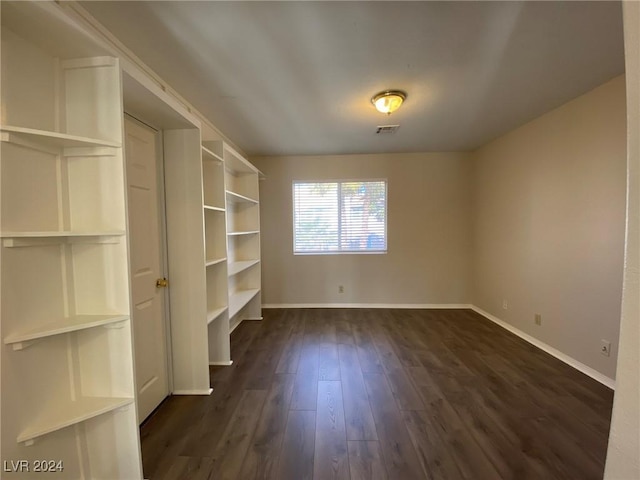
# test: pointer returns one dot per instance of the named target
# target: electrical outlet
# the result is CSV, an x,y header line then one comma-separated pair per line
x,y
537,319
605,348
505,305
340,288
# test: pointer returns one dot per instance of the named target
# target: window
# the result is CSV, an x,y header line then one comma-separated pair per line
x,y
340,217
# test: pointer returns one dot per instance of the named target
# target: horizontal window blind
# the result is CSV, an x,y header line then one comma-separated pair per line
x,y
334,217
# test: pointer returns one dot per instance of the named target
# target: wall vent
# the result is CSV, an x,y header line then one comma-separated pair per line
x,y
380,129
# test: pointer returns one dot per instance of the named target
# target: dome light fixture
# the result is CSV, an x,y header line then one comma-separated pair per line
x,y
388,101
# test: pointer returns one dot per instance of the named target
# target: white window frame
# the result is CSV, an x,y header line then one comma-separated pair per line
x,y
339,251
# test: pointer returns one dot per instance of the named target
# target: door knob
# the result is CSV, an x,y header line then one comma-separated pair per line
x,y
162,282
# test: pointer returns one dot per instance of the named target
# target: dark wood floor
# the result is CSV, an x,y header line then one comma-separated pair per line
x,y
382,394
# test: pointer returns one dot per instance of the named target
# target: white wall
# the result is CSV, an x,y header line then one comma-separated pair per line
x,y
429,232
549,205
623,456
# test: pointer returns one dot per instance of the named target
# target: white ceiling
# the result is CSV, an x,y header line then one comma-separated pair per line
x,y
297,77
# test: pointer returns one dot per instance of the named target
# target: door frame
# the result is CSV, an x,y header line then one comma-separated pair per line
x,y
164,253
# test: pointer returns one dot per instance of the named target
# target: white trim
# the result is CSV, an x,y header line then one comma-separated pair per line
x,y
193,392
603,379
421,306
221,364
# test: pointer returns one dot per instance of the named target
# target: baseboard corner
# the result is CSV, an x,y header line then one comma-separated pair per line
x,y
563,357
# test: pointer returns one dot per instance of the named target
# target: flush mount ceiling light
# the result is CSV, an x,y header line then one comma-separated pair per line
x,y
388,101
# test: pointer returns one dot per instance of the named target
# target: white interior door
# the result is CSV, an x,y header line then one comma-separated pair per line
x,y
146,267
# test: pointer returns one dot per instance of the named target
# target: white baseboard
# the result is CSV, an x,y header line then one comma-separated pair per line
x,y
417,306
603,379
193,392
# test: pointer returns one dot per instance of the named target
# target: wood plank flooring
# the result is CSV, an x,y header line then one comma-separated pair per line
x,y
382,394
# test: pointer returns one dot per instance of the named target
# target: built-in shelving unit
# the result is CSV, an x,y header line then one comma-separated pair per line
x,y
232,244
216,258
67,360
243,237
68,382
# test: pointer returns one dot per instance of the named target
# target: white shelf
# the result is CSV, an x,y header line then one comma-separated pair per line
x,y
64,325
50,139
234,162
237,267
215,314
57,416
61,233
233,197
239,299
214,209
249,232
215,261
30,239
210,155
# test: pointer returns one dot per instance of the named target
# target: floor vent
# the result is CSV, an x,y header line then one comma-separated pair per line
x,y
380,129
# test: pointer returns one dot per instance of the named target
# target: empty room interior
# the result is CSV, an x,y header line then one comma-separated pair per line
x,y
320,240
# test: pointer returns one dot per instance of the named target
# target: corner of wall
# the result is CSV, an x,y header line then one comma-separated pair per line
x,y
623,455
548,225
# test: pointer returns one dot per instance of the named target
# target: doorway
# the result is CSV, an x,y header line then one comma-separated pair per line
x,y
148,282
